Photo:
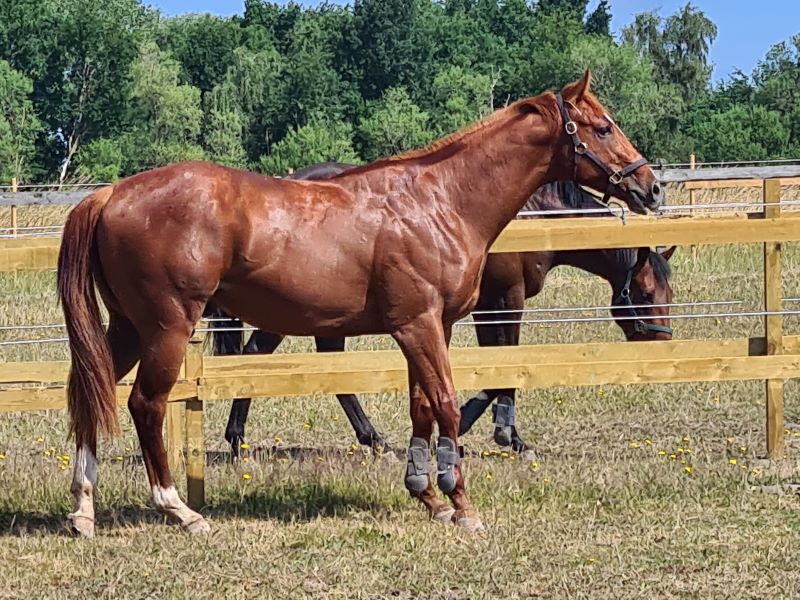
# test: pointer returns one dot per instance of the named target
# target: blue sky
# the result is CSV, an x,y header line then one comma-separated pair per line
x,y
747,28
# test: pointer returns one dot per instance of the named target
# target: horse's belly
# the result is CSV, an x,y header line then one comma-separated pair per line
x,y
301,302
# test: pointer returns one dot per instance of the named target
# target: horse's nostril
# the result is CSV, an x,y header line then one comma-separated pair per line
x,y
656,190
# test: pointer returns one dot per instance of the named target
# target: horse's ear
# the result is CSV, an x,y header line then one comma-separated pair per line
x,y
577,90
667,254
642,256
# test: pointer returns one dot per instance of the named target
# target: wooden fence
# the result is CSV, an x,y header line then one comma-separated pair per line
x,y
772,358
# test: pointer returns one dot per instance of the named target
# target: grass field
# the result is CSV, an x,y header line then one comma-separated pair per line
x,y
654,491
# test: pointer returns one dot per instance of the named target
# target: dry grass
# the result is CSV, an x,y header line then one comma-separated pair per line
x,y
652,491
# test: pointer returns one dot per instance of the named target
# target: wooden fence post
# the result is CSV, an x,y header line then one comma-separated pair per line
x,y
773,324
692,166
14,190
195,444
175,435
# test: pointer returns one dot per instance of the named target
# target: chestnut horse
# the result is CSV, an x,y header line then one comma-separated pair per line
x,y
639,282
397,247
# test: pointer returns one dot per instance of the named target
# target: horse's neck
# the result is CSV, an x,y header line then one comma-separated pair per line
x,y
611,265
483,179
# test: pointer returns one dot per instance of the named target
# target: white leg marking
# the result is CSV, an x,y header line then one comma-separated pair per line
x,y
167,501
483,395
84,481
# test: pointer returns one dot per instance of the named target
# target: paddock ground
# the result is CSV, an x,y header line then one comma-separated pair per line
x,y
656,491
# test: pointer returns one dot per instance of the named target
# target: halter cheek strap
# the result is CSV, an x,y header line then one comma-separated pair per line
x,y
581,149
640,325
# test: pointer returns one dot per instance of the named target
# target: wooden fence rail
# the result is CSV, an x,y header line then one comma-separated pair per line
x,y
772,358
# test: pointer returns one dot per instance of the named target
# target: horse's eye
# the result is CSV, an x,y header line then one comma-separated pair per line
x,y
603,131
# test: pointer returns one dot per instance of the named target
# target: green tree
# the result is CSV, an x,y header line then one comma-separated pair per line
x,y
678,46
19,124
395,125
384,45
741,133
459,97
224,139
318,141
101,160
168,113
204,45
599,21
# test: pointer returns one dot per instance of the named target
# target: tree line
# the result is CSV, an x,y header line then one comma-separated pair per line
x,y
98,90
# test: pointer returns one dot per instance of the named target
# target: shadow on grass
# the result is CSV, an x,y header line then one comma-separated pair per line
x,y
285,501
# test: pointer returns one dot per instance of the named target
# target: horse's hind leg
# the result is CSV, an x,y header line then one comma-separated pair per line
x,y
124,343
163,352
365,431
260,342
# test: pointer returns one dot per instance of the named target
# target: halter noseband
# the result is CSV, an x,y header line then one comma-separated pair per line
x,y
581,149
639,324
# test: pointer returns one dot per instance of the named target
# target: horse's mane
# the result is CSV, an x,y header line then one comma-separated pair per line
x,y
444,147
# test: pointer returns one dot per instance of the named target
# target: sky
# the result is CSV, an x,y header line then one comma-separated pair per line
x,y
746,28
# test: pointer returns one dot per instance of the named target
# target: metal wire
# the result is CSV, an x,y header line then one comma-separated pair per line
x,y
772,161
743,314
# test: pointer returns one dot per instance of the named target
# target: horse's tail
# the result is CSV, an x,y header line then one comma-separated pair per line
x,y
92,384
224,342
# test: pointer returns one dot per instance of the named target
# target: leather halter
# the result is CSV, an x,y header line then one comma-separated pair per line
x,y
581,149
623,300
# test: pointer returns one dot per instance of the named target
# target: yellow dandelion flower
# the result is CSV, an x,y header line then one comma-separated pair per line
x,y
591,560
546,480
277,439
685,440
756,472
680,450
353,446
683,461
688,469
534,465
743,467
688,450
634,444
363,463
489,477
559,402
2,456
673,457
729,440
335,418
485,453
306,425
245,446
786,431
601,392
512,457
246,476
40,439
46,453
732,461
350,453
648,442
742,449
662,452
504,454
62,467
119,459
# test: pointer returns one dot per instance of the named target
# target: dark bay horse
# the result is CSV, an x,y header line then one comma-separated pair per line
x,y
639,282
397,247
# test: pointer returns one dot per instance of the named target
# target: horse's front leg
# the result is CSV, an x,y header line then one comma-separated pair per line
x,y
424,343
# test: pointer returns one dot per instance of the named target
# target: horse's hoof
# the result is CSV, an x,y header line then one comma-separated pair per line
x,y
529,455
444,514
198,527
468,520
387,457
80,526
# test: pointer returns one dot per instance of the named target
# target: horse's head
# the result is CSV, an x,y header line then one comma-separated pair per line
x,y
642,293
599,154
